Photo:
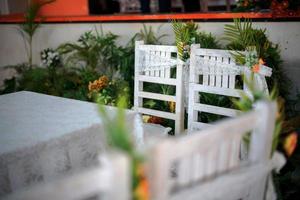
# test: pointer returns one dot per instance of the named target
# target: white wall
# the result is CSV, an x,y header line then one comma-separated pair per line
x,y
12,50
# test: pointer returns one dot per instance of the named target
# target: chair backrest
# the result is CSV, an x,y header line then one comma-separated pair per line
x,y
207,165
109,181
153,64
215,72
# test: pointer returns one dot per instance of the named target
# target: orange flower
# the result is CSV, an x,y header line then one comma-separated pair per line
x,y
261,61
141,192
256,68
99,84
290,143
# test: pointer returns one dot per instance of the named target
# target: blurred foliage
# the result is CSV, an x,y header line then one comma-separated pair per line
x,y
119,138
246,103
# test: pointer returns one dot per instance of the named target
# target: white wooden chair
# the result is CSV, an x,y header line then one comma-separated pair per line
x,y
109,181
207,165
215,72
153,64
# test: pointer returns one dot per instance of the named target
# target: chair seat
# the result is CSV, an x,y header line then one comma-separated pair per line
x,y
153,133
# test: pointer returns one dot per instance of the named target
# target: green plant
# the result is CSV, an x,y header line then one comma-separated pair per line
x,y
206,40
95,51
29,27
108,92
185,35
149,36
241,35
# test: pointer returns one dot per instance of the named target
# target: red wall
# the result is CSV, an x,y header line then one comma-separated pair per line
x,y
66,8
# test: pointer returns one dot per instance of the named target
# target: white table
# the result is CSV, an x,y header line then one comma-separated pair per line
x,y
42,137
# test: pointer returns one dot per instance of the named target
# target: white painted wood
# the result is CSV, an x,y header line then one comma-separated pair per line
x,y
153,64
216,110
208,163
104,181
216,90
219,72
167,81
151,95
157,113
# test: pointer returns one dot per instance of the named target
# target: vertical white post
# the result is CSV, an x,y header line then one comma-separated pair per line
x,y
193,96
159,170
138,86
179,110
261,144
261,138
122,177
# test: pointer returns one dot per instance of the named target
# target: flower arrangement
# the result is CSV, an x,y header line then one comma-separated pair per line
x,y
252,61
50,57
98,84
107,91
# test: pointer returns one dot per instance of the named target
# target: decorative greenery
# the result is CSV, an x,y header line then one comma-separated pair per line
x,y
241,35
246,102
96,52
149,36
29,28
184,36
187,34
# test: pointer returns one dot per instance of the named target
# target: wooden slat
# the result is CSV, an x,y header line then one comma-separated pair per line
x,y
216,110
232,81
152,57
162,71
212,76
157,113
157,59
162,97
168,69
226,128
225,78
165,48
218,77
200,125
216,90
167,81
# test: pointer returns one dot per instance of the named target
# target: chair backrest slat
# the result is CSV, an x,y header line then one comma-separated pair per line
x,y
212,154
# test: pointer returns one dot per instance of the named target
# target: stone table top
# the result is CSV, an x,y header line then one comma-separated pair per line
x,y
28,118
